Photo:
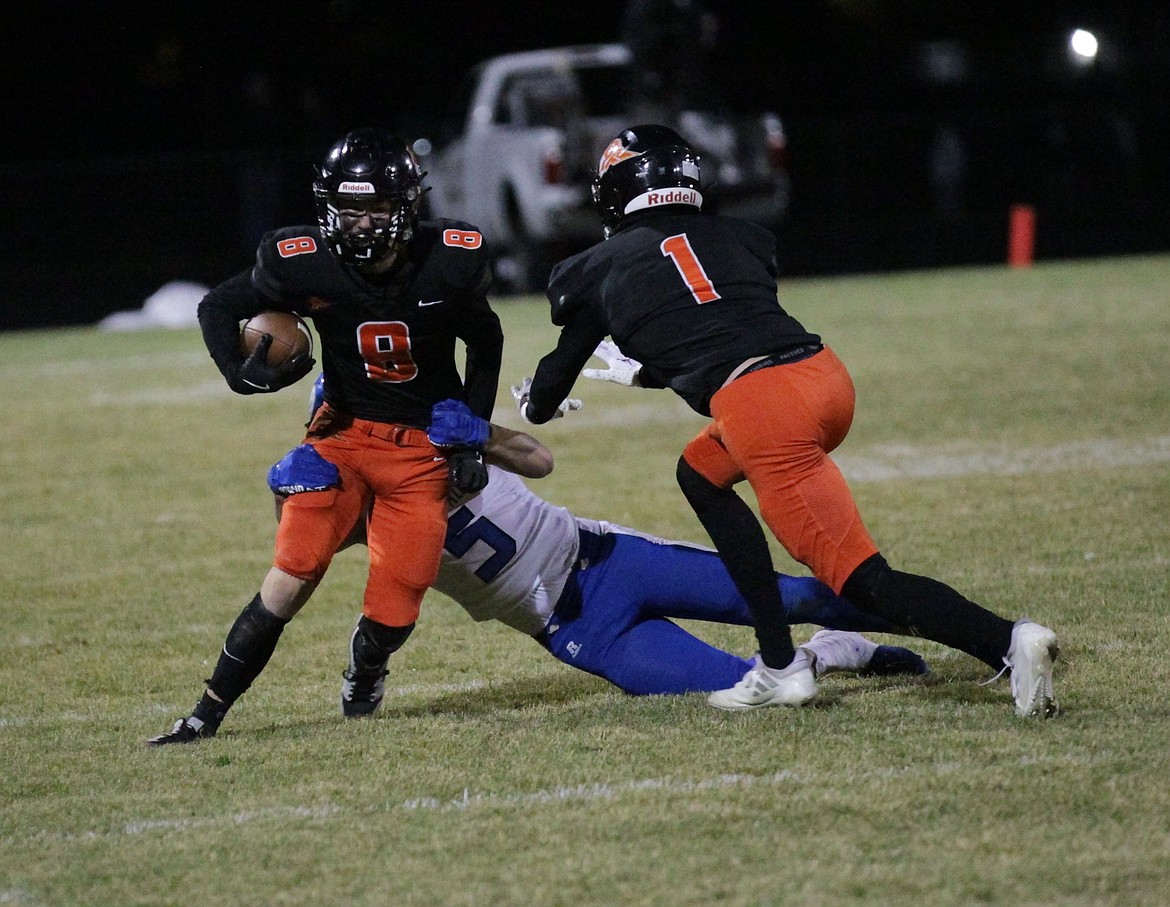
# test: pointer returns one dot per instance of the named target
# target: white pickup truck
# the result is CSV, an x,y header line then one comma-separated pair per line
x,y
518,151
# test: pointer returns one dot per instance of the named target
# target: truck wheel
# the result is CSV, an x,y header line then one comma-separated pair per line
x,y
523,268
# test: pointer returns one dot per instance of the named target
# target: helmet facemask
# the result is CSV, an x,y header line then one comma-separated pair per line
x,y
364,230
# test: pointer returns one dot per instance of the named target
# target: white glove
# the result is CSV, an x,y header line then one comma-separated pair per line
x,y
521,392
622,369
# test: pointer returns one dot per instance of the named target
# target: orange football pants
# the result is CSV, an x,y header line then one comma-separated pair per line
x,y
405,477
775,427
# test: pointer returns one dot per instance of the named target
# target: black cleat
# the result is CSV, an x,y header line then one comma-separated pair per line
x,y
362,693
888,660
186,730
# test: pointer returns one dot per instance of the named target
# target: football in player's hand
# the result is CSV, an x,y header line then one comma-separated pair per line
x,y
290,337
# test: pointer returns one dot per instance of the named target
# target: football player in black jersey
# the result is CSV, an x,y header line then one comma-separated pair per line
x,y
389,296
692,297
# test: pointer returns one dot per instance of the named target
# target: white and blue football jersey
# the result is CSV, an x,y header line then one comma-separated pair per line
x,y
509,553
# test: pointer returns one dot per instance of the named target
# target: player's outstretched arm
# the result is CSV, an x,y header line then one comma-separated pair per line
x,y
518,452
454,425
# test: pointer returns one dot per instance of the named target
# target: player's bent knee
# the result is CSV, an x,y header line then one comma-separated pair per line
x,y
695,486
284,594
301,564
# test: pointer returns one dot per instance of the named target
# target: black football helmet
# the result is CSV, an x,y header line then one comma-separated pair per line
x,y
643,167
374,171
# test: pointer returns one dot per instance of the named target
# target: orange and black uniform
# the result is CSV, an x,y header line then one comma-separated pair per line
x,y
693,296
388,355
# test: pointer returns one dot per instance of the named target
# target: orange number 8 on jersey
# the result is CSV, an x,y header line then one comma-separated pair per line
x,y
385,346
462,239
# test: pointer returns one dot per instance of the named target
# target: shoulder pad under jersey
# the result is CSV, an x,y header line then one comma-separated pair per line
x,y
285,253
565,290
760,241
457,249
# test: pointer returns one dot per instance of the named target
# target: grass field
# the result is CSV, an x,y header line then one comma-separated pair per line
x,y
1012,438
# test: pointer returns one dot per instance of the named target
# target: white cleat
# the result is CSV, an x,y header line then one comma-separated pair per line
x,y
761,686
839,650
844,650
1029,659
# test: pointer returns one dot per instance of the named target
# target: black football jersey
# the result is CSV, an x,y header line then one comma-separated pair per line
x,y
387,345
689,295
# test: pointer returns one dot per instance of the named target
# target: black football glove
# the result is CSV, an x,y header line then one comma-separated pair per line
x,y
255,376
467,473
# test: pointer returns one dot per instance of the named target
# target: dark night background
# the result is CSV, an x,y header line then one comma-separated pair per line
x,y
145,144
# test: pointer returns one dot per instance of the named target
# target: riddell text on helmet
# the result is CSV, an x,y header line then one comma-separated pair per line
x,y
673,197
665,197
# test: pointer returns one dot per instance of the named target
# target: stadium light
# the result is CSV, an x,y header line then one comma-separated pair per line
x,y
1083,46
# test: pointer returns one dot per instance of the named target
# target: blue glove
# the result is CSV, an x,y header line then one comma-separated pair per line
x,y
303,469
453,424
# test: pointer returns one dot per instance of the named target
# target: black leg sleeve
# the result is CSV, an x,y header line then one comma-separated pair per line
x,y
929,609
373,643
741,543
249,644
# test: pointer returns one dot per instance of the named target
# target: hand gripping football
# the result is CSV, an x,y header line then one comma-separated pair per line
x,y
291,337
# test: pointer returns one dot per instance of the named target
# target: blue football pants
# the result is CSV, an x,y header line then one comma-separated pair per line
x,y
624,632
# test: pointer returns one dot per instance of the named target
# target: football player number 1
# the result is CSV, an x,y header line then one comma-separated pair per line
x,y
385,346
678,249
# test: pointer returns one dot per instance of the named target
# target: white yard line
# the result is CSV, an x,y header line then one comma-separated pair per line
x,y
883,462
429,688
168,359
162,396
469,800
875,463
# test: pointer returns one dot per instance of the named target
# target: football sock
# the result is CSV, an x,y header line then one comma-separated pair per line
x,y
210,710
739,539
249,644
373,643
929,609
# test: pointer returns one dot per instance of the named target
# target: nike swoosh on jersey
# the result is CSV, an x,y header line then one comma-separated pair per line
x,y
422,302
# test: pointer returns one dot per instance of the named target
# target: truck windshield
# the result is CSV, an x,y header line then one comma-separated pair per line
x,y
605,90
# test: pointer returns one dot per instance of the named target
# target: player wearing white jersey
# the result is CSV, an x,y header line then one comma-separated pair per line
x,y
601,597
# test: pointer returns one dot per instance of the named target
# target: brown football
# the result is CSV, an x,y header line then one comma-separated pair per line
x,y
290,336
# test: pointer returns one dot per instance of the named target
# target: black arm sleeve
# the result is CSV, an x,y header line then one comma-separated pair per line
x,y
557,372
220,313
480,329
